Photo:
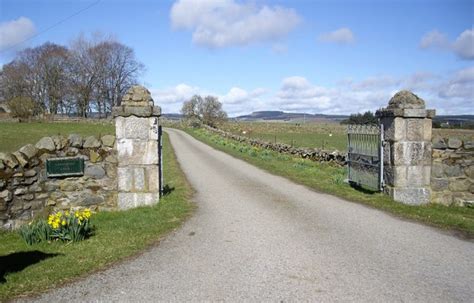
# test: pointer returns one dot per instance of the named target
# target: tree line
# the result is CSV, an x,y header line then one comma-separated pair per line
x,y
91,75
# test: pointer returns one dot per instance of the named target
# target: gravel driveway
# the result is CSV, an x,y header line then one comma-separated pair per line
x,y
259,237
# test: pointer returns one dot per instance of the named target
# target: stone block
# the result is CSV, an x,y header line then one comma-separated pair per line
x,y
91,142
439,184
94,171
418,176
454,170
20,158
459,185
439,143
9,160
132,200
394,128
59,141
75,140
125,178
108,140
463,199
411,153
152,174
46,144
395,175
3,184
454,143
94,156
135,152
29,151
139,179
415,129
30,173
6,195
444,198
132,128
437,170
468,144
427,129
469,171
412,196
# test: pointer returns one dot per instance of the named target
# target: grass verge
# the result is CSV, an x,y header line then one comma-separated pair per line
x,y
14,135
329,179
27,270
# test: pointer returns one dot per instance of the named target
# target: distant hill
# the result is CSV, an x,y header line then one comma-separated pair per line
x,y
283,116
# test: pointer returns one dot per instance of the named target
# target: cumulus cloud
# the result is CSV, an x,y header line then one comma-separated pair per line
x,y
15,31
340,36
224,23
463,46
460,85
172,98
449,94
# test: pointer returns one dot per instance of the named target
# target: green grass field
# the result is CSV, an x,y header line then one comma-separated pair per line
x,y
330,179
118,235
15,135
324,135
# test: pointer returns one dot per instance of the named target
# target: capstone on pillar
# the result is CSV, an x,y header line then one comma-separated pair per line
x,y
136,127
407,152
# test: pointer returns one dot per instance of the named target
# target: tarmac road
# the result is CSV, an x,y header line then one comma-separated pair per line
x,y
259,237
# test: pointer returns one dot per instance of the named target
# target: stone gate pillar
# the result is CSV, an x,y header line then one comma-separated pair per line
x,y
407,152
136,127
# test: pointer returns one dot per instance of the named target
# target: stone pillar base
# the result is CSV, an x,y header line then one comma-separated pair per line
x,y
132,200
411,196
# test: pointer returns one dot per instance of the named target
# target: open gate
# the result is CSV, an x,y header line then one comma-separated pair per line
x,y
365,156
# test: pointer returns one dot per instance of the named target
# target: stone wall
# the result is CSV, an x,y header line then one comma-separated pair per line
x,y
26,191
313,154
452,171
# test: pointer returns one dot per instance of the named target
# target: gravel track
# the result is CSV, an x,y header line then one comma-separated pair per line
x,y
259,237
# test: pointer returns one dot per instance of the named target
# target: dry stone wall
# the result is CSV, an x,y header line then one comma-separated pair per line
x,y
26,191
452,171
313,154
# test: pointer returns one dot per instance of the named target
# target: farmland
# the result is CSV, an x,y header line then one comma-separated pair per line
x,y
324,135
15,135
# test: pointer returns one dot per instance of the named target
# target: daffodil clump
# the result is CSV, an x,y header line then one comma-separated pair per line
x,y
70,226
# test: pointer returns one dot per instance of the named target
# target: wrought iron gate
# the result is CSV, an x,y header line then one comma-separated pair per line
x,y
365,156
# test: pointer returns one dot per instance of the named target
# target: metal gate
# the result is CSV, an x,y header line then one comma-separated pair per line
x,y
365,156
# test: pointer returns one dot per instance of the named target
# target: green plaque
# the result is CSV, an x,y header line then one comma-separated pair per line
x,y
64,167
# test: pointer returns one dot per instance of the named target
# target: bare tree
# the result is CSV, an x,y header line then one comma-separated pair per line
x,y
92,75
208,110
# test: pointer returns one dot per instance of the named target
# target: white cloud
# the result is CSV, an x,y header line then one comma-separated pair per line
x,y
171,99
340,36
463,46
434,39
15,31
224,23
460,85
448,93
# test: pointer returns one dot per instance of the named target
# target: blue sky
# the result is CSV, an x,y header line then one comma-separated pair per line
x,y
333,57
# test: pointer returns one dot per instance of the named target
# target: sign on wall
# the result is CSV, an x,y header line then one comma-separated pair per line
x,y
64,167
